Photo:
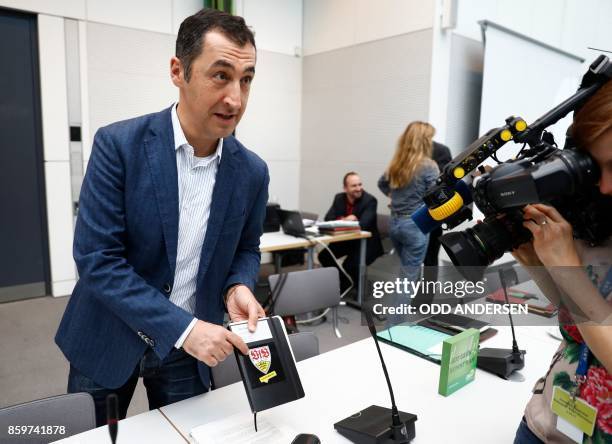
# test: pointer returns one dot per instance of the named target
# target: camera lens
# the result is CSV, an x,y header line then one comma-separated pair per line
x,y
476,248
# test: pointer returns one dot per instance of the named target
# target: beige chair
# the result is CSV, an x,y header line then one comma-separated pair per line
x,y
74,411
306,291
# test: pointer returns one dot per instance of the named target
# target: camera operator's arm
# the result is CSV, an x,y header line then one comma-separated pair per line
x,y
527,257
554,246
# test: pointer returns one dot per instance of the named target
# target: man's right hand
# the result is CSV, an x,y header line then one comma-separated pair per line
x,y
211,343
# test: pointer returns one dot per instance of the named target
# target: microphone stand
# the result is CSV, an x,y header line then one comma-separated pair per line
x,y
502,361
112,416
375,424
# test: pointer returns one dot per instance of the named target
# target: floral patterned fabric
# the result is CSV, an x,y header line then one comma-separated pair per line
x,y
597,390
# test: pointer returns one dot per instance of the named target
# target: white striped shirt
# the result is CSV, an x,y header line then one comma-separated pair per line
x,y
196,180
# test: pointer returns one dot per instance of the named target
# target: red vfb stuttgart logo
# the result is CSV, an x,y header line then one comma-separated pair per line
x,y
261,358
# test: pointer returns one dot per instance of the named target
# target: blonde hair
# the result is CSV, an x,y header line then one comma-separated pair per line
x,y
594,118
413,151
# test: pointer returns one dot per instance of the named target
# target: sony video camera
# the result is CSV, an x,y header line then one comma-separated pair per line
x,y
564,178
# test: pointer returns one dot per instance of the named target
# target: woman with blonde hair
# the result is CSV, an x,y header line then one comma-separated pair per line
x,y
409,175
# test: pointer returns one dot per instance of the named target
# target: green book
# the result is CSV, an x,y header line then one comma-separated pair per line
x,y
458,365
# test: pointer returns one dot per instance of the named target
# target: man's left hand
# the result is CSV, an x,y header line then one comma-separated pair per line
x,y
242,305
350,217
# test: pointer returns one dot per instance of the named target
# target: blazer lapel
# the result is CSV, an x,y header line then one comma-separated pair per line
x,y
161,156
222,192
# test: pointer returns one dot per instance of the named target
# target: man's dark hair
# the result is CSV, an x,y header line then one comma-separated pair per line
x,y
191,34
347,175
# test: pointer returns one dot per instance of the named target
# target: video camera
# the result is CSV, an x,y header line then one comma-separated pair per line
x,y
564,178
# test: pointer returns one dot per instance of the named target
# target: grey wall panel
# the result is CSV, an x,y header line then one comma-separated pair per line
x,y
356,102
128,73
464,92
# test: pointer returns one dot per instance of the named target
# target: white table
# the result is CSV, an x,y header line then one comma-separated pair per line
x,y
346,380
278,241
148,427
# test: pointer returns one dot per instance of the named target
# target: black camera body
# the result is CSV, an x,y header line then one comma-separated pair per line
x,y
563,178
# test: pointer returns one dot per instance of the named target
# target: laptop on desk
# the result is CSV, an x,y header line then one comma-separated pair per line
x,y
292,224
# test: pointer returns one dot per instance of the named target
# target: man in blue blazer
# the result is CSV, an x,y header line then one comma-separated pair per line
x,y
167,237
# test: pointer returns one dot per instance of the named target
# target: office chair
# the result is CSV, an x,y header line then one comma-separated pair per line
x,y
74,411
306,291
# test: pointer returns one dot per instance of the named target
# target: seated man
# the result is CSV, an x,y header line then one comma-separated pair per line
x,y
353,204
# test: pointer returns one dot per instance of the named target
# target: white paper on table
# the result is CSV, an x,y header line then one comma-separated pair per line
x,y
240,429
261,332
338,223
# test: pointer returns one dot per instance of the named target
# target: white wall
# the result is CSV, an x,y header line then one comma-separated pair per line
x,y
337,24
64,8
513,90
440,73
463,93
151,15
272,122
128,73
277,23
56,152
571,25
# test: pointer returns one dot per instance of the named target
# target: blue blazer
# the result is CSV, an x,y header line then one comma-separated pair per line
x,y
126,240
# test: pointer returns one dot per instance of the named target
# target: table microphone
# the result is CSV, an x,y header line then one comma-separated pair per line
x,y
375,424
503,361
112,416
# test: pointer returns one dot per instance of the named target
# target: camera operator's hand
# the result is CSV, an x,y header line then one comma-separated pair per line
x,y
553,241
526,256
